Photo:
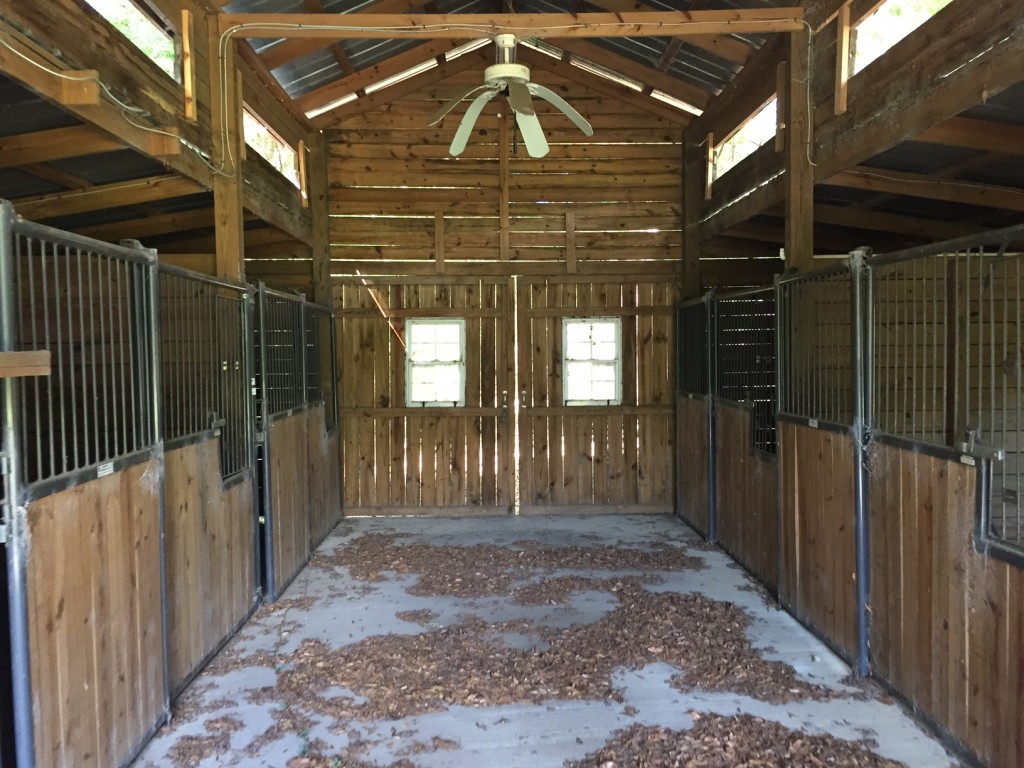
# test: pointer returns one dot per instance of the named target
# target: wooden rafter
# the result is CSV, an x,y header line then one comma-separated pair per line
x,y
981,135
101,196
55,144
649,76
461,26
928,187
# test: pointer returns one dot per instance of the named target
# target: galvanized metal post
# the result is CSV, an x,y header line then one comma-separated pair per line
x,y
712,358
781,361
248,342
16,523
860,363
263,439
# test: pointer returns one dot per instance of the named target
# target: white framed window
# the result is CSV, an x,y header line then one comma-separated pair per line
x,y
435,362
592,372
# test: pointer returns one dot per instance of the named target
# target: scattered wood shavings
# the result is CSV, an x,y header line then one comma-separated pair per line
x,y
742,741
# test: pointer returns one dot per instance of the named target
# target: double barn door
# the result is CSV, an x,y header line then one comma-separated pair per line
x,y
513,445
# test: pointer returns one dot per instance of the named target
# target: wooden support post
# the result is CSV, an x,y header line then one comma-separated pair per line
x,y
570,242
319,213
799,171
188,65
693,195
842,57
504,148
709,173
303,173
228,152
24,364
439,242
781,108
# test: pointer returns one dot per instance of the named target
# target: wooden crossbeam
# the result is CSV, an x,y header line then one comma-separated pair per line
x,y
55,144
115,195
460,26
981,135
927,187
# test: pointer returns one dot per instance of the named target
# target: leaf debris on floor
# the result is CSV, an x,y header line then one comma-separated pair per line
x,y
741,741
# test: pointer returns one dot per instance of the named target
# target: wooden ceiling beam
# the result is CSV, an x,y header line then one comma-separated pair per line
x,y
981,135
729,48
364,77
604,86
101,196
384,96
56,144
462,26
929,188
151,226
673,86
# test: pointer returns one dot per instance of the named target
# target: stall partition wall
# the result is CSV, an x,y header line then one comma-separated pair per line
x,y
206,413
297,439
695,482
82,496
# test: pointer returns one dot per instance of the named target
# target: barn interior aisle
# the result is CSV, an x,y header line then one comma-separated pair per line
x,y
530,641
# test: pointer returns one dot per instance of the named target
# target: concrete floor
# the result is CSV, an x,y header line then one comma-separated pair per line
x,y
341,611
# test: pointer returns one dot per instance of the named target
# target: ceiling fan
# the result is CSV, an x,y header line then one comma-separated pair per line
x,y
508,77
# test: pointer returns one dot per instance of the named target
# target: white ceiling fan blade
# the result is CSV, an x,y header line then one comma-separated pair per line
x,y
563,106
519,99
440,114
533,134
469,120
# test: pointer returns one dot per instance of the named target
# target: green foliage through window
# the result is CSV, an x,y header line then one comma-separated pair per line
x,y
893,21
147,36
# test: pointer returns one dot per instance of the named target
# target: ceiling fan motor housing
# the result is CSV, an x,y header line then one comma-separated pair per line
x,y
505,70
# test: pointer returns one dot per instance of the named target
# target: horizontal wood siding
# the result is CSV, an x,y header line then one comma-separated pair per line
x,y
817,578
324,474
289,493
746,496
423,460
692,469
95,620
588,457
947,627
211,555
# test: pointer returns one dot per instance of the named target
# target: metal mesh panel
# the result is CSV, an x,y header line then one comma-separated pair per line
x,y
320,383
283,349
745,358
815,347
947,330
693,374
90,307
203,341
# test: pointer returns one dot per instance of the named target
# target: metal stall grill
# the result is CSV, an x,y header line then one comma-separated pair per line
x,y
946,329
815,352
294,374
745,358
693,368
92,306
206,356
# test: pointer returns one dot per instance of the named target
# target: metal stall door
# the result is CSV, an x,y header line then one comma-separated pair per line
x,y
82,495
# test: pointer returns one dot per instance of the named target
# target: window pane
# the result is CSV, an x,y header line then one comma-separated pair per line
x,y
605,351
449,333
577,332
448,352
578,350
603,331
447,384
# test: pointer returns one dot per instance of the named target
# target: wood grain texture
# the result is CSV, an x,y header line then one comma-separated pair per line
x,y
324,475
746,485
947,625
817,578
692,471
289,491
211,556
95,623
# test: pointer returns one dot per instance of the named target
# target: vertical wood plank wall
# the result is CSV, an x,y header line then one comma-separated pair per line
x,y
692,473
818,555
324,474
746,484
400,460
947,627
607,458
289,497
95,621
211,555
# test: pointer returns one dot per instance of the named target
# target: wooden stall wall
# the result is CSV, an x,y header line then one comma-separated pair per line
x,y
95,620
289,465
692,502
324,474
597,458
211,555
816,582
947,628
746,501
400,460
